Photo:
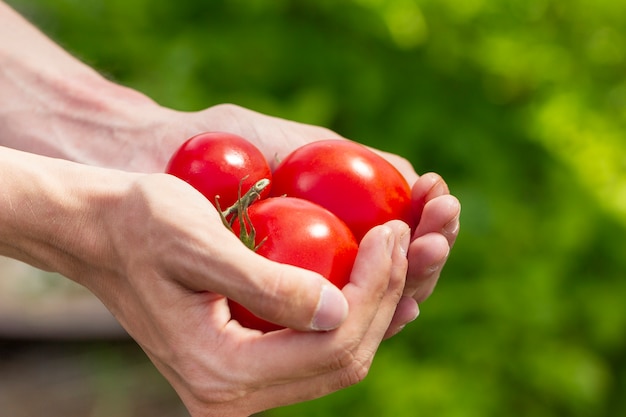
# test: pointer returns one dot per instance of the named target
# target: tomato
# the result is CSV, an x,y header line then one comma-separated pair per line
x,y
215,163
300,233
361,187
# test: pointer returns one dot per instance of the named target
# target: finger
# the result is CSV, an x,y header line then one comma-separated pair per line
x,y
406,312
427,187
440,215
427,256
388,308
406,309
393,313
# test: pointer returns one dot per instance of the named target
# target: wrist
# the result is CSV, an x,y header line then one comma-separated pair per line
x,y
53,104
51,212
80,116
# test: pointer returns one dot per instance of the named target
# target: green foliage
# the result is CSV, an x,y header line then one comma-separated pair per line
x,y
519,104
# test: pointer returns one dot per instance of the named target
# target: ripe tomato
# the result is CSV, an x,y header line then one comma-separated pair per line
x,y
300,233
215,163
362,188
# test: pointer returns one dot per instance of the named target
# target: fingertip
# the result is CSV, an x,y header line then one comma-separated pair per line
x,y
406,312
430,185
451,229
430,177
427,250
427,255
380,235
331,311
440,215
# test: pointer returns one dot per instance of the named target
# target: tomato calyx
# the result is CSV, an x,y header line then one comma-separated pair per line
x,y
239,212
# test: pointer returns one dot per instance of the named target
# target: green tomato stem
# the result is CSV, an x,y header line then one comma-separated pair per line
x,y
239,212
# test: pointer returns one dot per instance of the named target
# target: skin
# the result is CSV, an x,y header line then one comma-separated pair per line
x,y
83,194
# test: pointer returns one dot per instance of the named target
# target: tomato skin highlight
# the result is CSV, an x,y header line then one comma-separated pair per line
x,y
361,187
299,233
215,163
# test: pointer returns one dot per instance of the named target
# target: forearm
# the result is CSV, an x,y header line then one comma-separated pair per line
x,y
51,211
53,104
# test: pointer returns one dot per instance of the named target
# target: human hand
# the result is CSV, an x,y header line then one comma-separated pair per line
x,y
437,210
172,268
156,253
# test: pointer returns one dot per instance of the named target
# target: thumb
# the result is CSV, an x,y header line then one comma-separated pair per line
x,y
288,296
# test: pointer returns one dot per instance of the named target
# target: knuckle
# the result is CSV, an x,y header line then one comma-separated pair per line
x,y
276,291
354,373
352,364
227,108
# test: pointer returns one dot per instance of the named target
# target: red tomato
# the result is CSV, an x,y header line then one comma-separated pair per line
x,y
300,233
215,163
362,188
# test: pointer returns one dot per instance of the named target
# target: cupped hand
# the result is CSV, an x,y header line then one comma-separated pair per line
x,y
175,263
437,210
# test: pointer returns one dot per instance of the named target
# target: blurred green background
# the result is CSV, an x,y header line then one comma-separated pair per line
x,y
519,104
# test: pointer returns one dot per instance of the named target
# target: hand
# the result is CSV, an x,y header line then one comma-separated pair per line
x,y
437,210
156,253
175,259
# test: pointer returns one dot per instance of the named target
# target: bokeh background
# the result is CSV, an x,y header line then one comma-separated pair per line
x,y
519,104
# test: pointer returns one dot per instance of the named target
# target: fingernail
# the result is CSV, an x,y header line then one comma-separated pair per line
x,y
332,309
439,188
417,313
452,226
405,240
391,241
402,326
